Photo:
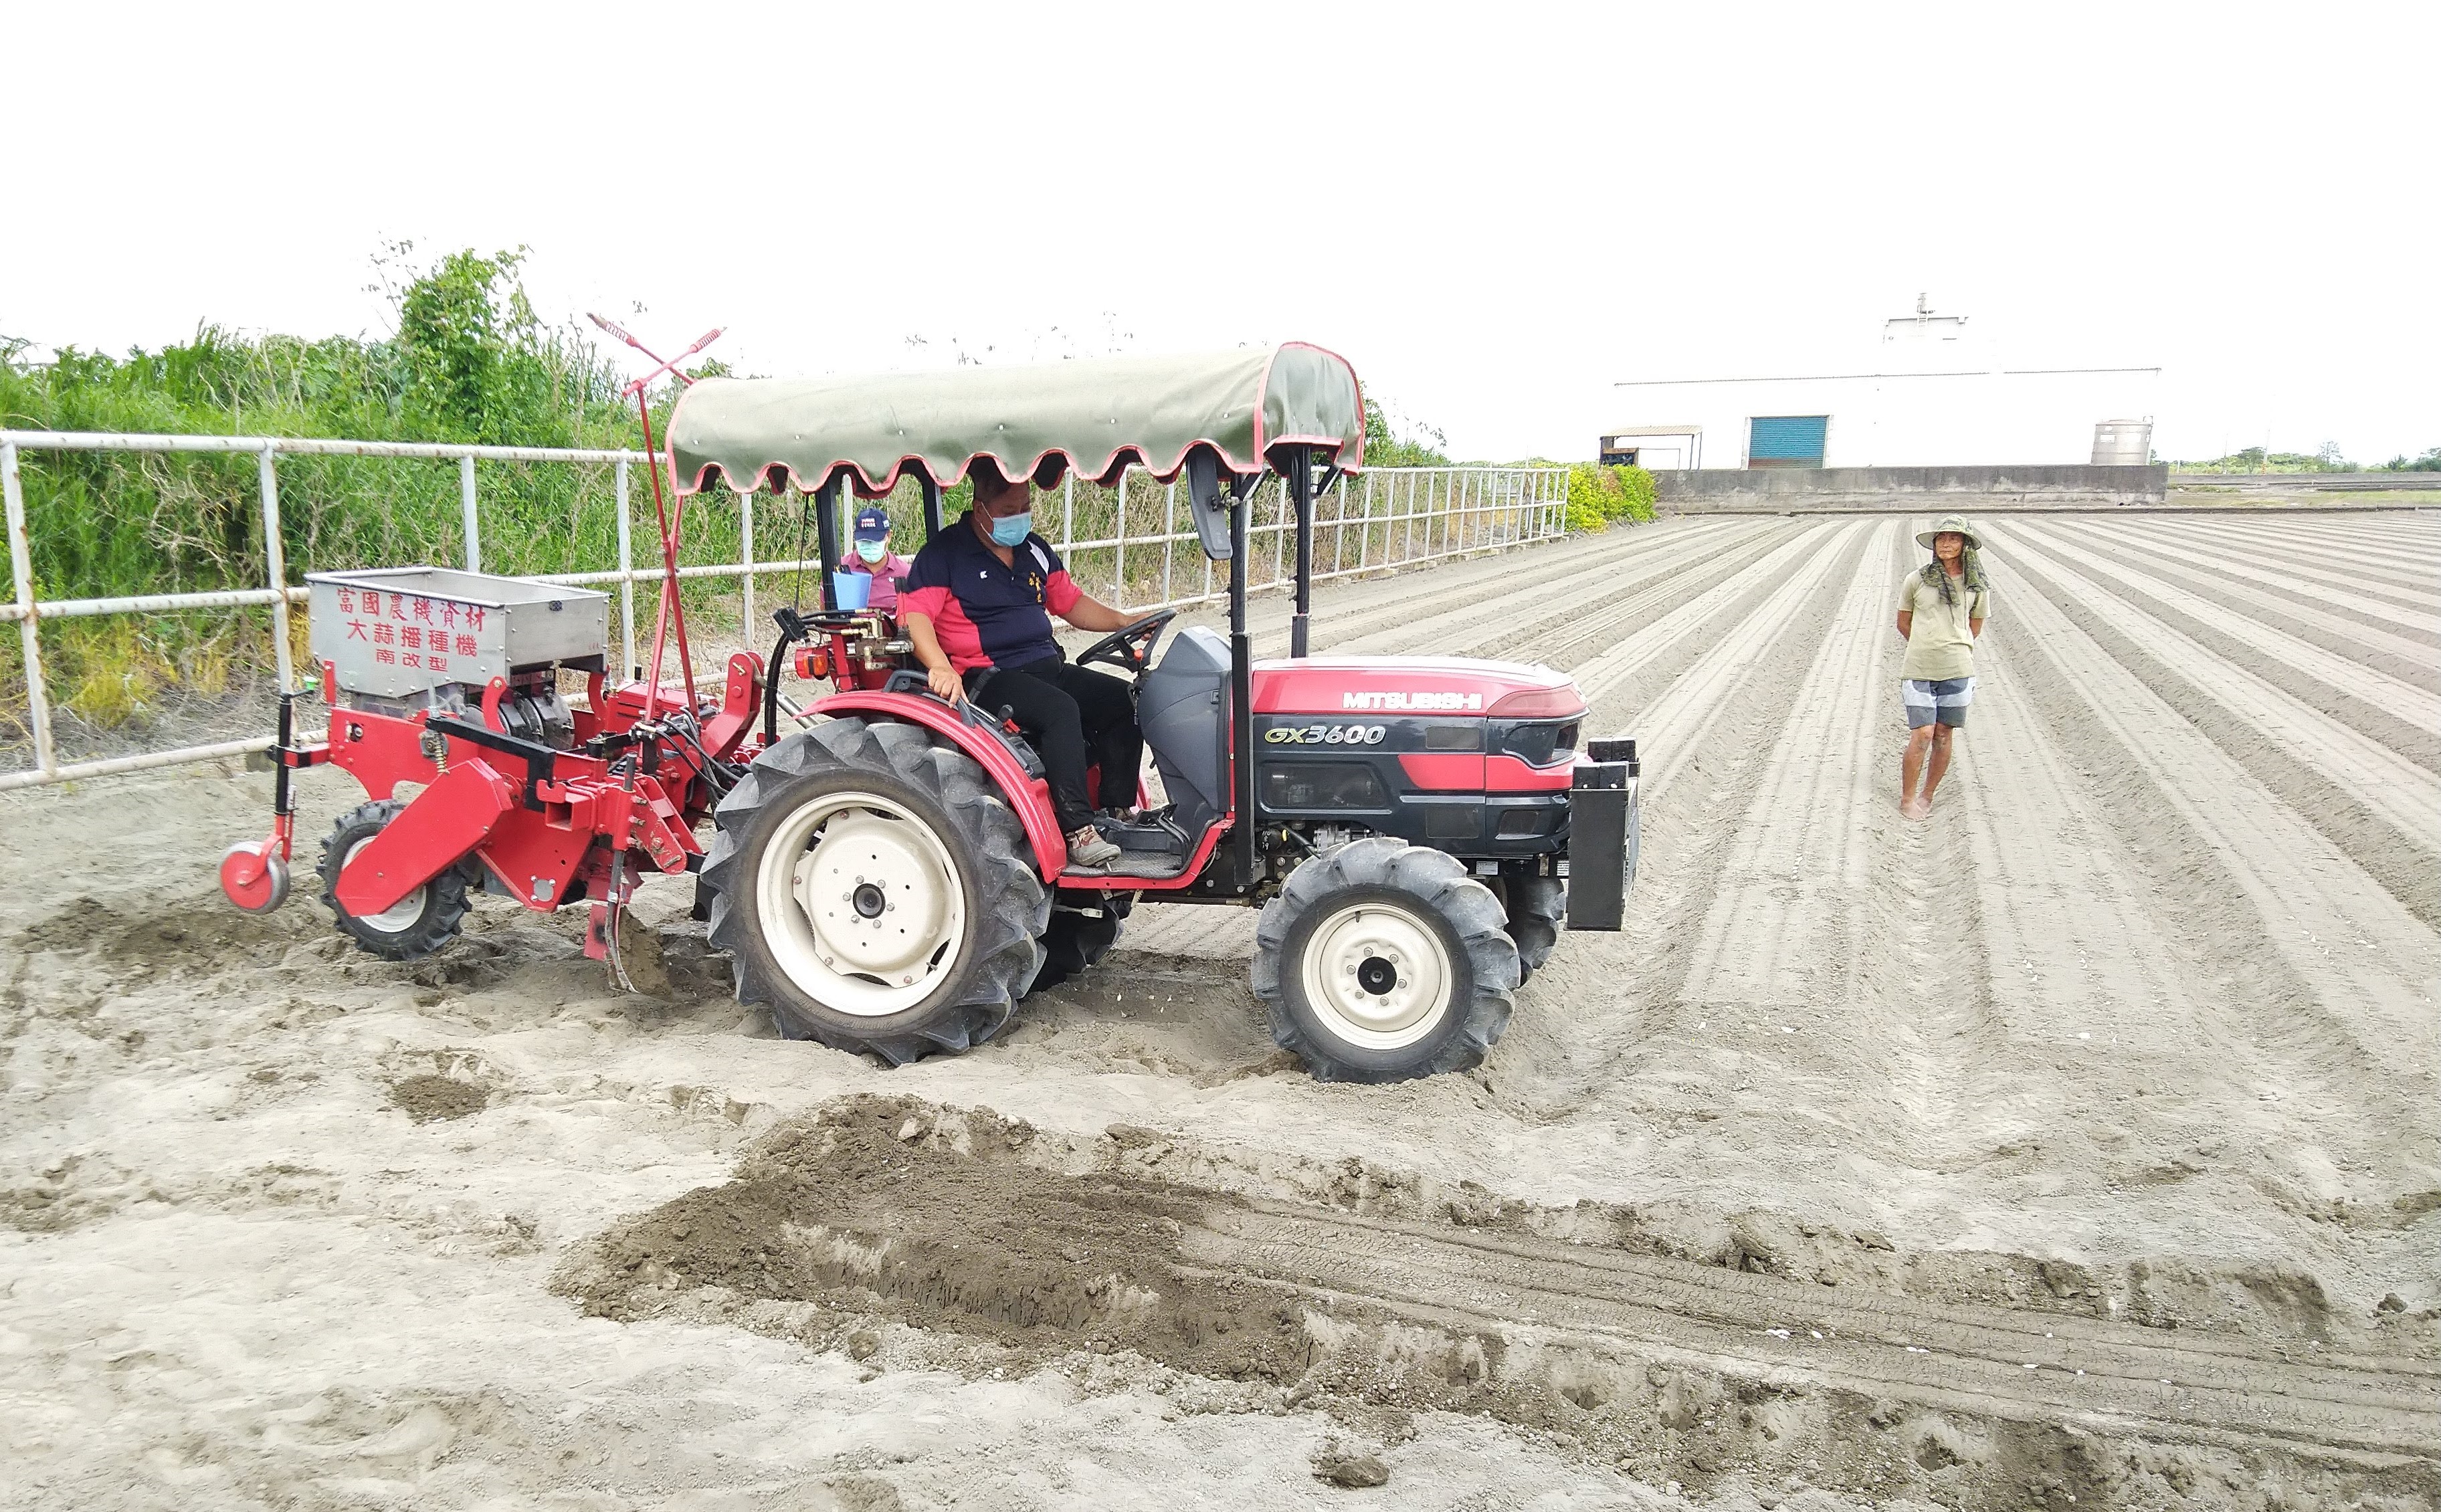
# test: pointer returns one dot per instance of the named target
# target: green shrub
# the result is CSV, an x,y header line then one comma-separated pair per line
x,y
1601,496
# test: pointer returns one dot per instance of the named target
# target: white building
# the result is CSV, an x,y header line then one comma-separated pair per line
x,y
1928,395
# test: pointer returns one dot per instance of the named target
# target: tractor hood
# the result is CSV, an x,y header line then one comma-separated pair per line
x,y
1414,685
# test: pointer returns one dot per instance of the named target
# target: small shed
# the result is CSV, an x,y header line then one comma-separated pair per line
x,y
1655,448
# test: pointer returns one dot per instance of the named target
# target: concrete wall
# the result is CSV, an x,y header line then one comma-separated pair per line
x,y
1904,419
1780,489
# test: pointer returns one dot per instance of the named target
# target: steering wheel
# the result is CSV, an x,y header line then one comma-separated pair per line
x,y
1129,647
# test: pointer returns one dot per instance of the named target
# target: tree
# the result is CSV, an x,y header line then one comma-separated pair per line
x,y
1383,448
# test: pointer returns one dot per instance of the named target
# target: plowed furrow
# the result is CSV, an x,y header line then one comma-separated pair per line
x,y
2390,562
2419,706
2322,960
2398,651
2353,767
2287,578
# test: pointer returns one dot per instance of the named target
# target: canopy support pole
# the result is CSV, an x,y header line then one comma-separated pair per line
x,y
1299,478
1241,689
931,509
827,530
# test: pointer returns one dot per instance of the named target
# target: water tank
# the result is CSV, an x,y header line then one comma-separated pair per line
x,y
2122,443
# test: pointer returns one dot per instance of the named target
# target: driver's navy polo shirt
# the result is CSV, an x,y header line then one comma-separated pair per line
x,y
986,615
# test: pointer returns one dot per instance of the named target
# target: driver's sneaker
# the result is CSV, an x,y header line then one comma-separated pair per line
x,y
1089,852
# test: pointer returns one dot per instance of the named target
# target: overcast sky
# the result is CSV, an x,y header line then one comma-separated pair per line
x,y
1494,210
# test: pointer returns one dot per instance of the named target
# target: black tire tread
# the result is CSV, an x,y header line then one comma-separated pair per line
x,y
1538,909
1006,928
1434,881
1074,942
444,912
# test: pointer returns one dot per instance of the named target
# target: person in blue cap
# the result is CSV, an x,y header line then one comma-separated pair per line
x,y
869,552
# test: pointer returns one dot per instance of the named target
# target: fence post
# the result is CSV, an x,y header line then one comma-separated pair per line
x,y
1119,568
1365,537
746,564
275,567
1339,535
466,512
626,574
1280,538
1169,536
29,639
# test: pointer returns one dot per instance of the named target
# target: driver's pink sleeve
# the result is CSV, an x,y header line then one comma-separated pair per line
x,y
1061,593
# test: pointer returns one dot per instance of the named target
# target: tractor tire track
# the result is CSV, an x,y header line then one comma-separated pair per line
x,y
1640,1358
1982,1361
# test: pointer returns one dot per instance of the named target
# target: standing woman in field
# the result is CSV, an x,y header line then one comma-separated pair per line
x,y
1942,609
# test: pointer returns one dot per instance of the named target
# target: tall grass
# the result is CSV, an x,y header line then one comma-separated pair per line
x,y
467,361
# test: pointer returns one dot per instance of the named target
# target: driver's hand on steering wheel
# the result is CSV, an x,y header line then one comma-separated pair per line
x,y
947,684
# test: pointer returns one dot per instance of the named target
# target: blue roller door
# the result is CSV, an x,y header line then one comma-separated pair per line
x,y
1785,440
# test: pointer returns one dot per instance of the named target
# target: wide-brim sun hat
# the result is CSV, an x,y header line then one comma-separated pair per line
x,y
1948,524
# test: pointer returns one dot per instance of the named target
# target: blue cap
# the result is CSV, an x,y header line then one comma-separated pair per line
x,y
872,524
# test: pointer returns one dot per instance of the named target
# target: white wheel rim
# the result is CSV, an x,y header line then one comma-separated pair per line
x,y
1378,976
860,903
400,916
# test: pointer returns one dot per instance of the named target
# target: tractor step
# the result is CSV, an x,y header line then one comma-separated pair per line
x,y
1142,866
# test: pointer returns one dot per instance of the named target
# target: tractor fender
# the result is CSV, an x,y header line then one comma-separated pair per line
x,y
1029,798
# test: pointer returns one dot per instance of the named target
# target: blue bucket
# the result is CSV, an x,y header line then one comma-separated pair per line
x,y
852,590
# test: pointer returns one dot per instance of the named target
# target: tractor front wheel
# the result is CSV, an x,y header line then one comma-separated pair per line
x,y
1380,960
874,892
415,926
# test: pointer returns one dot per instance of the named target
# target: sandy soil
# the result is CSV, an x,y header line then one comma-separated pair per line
x,y
2079,1144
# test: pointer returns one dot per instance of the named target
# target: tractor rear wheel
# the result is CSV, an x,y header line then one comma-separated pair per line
x,y
1380,960
1538,907
415,926
874,893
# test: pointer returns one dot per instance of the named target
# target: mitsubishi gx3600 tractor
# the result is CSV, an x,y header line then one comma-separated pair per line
x,y
884,868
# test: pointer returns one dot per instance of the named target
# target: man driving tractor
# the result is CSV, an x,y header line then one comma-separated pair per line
x,y
978,608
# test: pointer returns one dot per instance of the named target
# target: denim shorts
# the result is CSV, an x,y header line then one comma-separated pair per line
x,y
1945,700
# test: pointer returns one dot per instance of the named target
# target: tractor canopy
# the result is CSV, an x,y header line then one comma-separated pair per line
x,y
1096,416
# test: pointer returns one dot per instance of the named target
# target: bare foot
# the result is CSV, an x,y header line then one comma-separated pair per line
x,y
1914,808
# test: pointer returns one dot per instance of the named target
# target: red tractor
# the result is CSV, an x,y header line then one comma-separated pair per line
x,y
889,877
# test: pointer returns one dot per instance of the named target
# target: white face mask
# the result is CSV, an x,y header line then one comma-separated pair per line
x,y
873,550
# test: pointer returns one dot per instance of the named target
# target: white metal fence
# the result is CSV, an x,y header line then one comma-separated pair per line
x,y
1382,518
